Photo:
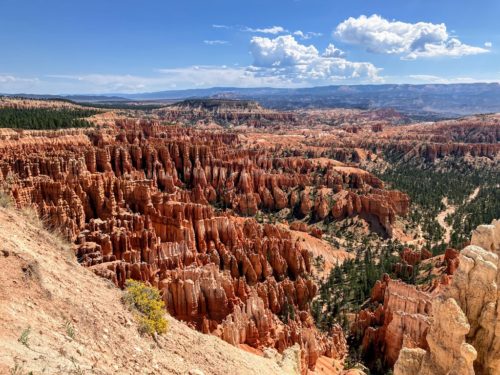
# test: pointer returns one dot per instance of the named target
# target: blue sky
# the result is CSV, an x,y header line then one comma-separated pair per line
x,y
63,46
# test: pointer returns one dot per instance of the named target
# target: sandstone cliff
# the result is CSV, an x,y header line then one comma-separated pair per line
x,y
399,317
465,332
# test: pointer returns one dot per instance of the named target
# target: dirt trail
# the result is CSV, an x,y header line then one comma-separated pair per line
x,y
450,210
75,323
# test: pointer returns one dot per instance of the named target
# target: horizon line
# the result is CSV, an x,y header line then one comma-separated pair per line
x,y
111,94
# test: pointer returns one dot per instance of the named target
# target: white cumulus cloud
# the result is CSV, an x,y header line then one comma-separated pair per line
x,y
281,51
488,44
284,57
410,40
332,51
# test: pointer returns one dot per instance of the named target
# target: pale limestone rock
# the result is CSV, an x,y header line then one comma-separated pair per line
x,y
409,361
271,353
475,291
290,360
475,287
487,236
448,352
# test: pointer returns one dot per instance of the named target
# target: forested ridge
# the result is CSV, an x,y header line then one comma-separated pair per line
x,y
428,183
45,118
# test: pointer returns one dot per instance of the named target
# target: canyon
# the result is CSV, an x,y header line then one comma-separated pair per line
x,y
76,322
227,208
140,202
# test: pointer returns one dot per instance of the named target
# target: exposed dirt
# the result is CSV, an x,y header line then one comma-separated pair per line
x,y
317,247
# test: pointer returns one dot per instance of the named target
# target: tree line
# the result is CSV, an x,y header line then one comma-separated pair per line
x,y
44,118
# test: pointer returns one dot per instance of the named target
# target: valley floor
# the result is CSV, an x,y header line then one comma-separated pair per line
x,y
450,210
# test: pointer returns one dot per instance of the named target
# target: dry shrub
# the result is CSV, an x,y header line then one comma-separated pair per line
x,y
148,305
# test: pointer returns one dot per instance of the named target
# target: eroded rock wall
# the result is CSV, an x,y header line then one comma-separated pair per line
x,y
161,203
465,332
399,316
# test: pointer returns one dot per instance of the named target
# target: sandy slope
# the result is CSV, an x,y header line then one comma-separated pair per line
x,y
317,247
42,287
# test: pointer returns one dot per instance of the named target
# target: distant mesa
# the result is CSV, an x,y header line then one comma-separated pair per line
x,y
429,101
214,104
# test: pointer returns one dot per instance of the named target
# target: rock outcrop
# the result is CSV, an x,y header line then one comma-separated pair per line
x,y
465,332
400,316
448,352
224,112
172,206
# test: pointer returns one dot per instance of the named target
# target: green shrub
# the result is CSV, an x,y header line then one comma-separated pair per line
x,y
149,306
25,336
70,330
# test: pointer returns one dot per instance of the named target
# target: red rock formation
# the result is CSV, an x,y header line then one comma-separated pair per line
x,y
224,111
401,315
451,260
413,257
137,201
477,136
409,259
303,227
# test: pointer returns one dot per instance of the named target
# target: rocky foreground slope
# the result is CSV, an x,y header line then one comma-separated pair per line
x,y
73,322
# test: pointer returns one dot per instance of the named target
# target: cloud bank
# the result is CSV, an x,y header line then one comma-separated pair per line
x,y
410,40
284,57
